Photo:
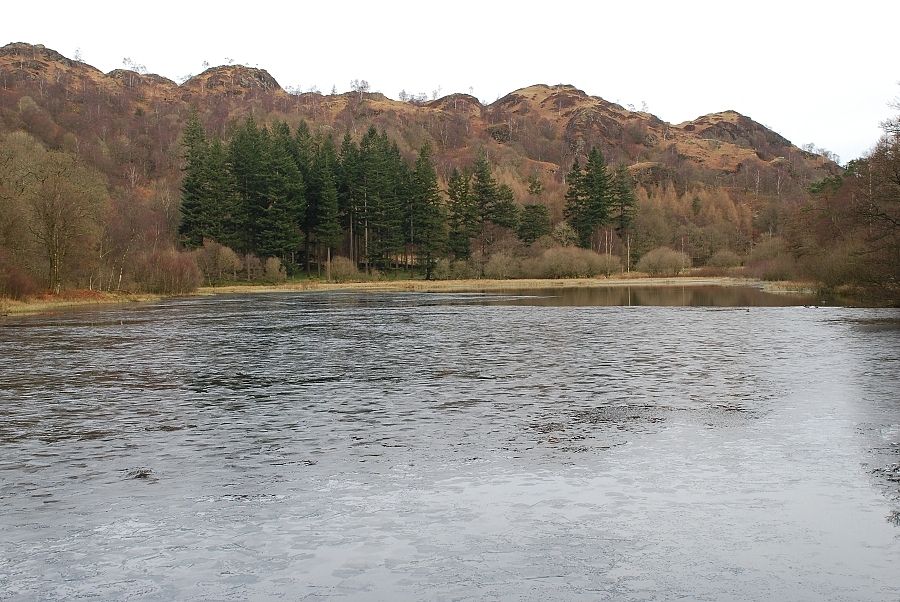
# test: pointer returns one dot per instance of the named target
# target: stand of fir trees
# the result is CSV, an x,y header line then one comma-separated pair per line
x,y
271,192
292,195
600,202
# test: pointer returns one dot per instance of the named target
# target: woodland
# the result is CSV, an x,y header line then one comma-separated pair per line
x,y
127,181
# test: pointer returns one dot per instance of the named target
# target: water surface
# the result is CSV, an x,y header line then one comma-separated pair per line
x,y
410,446
640,295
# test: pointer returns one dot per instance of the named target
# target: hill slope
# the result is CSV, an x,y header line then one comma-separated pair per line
x,y
539,129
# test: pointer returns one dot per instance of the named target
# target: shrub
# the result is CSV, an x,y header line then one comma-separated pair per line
x,y
217,261
664,261
168,272
543,243
724,259
16,283
569,262
771,260
458,269
441,270
834,267
609,264
253,267
768,248
564,235
274,271
344,270
502,266
780,267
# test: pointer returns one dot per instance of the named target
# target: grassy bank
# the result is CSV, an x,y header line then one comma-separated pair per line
x,y
68,300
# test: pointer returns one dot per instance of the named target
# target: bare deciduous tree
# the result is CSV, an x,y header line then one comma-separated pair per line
x,y
66,205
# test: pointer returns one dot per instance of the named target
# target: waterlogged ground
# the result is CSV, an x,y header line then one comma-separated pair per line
x,y
411,446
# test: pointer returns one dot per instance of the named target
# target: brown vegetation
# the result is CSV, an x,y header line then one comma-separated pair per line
x,y
103,149
664,262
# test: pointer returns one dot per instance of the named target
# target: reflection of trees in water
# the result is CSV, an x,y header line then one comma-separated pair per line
x,y
697,296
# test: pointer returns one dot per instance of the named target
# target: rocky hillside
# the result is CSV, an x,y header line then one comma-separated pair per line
x,y
128,125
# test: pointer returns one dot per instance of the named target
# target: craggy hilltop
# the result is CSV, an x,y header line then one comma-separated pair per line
x,y
721,182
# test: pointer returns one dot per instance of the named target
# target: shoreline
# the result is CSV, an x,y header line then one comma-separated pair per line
x,y
441,286
84,299
71,301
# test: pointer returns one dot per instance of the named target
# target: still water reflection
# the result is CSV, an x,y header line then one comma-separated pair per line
x,y
675,296
409,446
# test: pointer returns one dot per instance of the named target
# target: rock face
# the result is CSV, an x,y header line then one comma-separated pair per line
x,y
21,61
733,128
232,80
133,78
36,56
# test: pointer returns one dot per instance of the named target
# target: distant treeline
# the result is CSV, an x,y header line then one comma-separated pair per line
x,y
266,202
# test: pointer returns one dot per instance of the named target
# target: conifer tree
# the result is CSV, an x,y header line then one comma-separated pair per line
x,y
576,204
589,198
598,190
385,181
623,208
303,149
192,228
219,195
249,155
485,196
483,190
328,228
428,222
623,201
280,233
506,212
350,191
461,215
534,223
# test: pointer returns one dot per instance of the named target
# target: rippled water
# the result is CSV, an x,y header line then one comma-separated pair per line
x,y
410,446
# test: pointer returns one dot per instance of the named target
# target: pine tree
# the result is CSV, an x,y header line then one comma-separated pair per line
x,y
506,212
623,201
280,233
461,219
385,178
484,189
219,195
598,189
396,191
624,208
350,192
249,154
485,196
303,149
192,228
428,221
533,223
328,228
576,205
589,198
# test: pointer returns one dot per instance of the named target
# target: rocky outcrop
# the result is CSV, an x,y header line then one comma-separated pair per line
x,y
232,80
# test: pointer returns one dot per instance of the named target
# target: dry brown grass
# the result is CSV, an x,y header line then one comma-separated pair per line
x,y
630,279
67,300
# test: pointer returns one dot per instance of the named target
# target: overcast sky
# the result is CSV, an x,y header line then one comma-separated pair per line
x,y
820,72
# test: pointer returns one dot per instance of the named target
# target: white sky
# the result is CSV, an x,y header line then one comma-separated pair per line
x,y
814,71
